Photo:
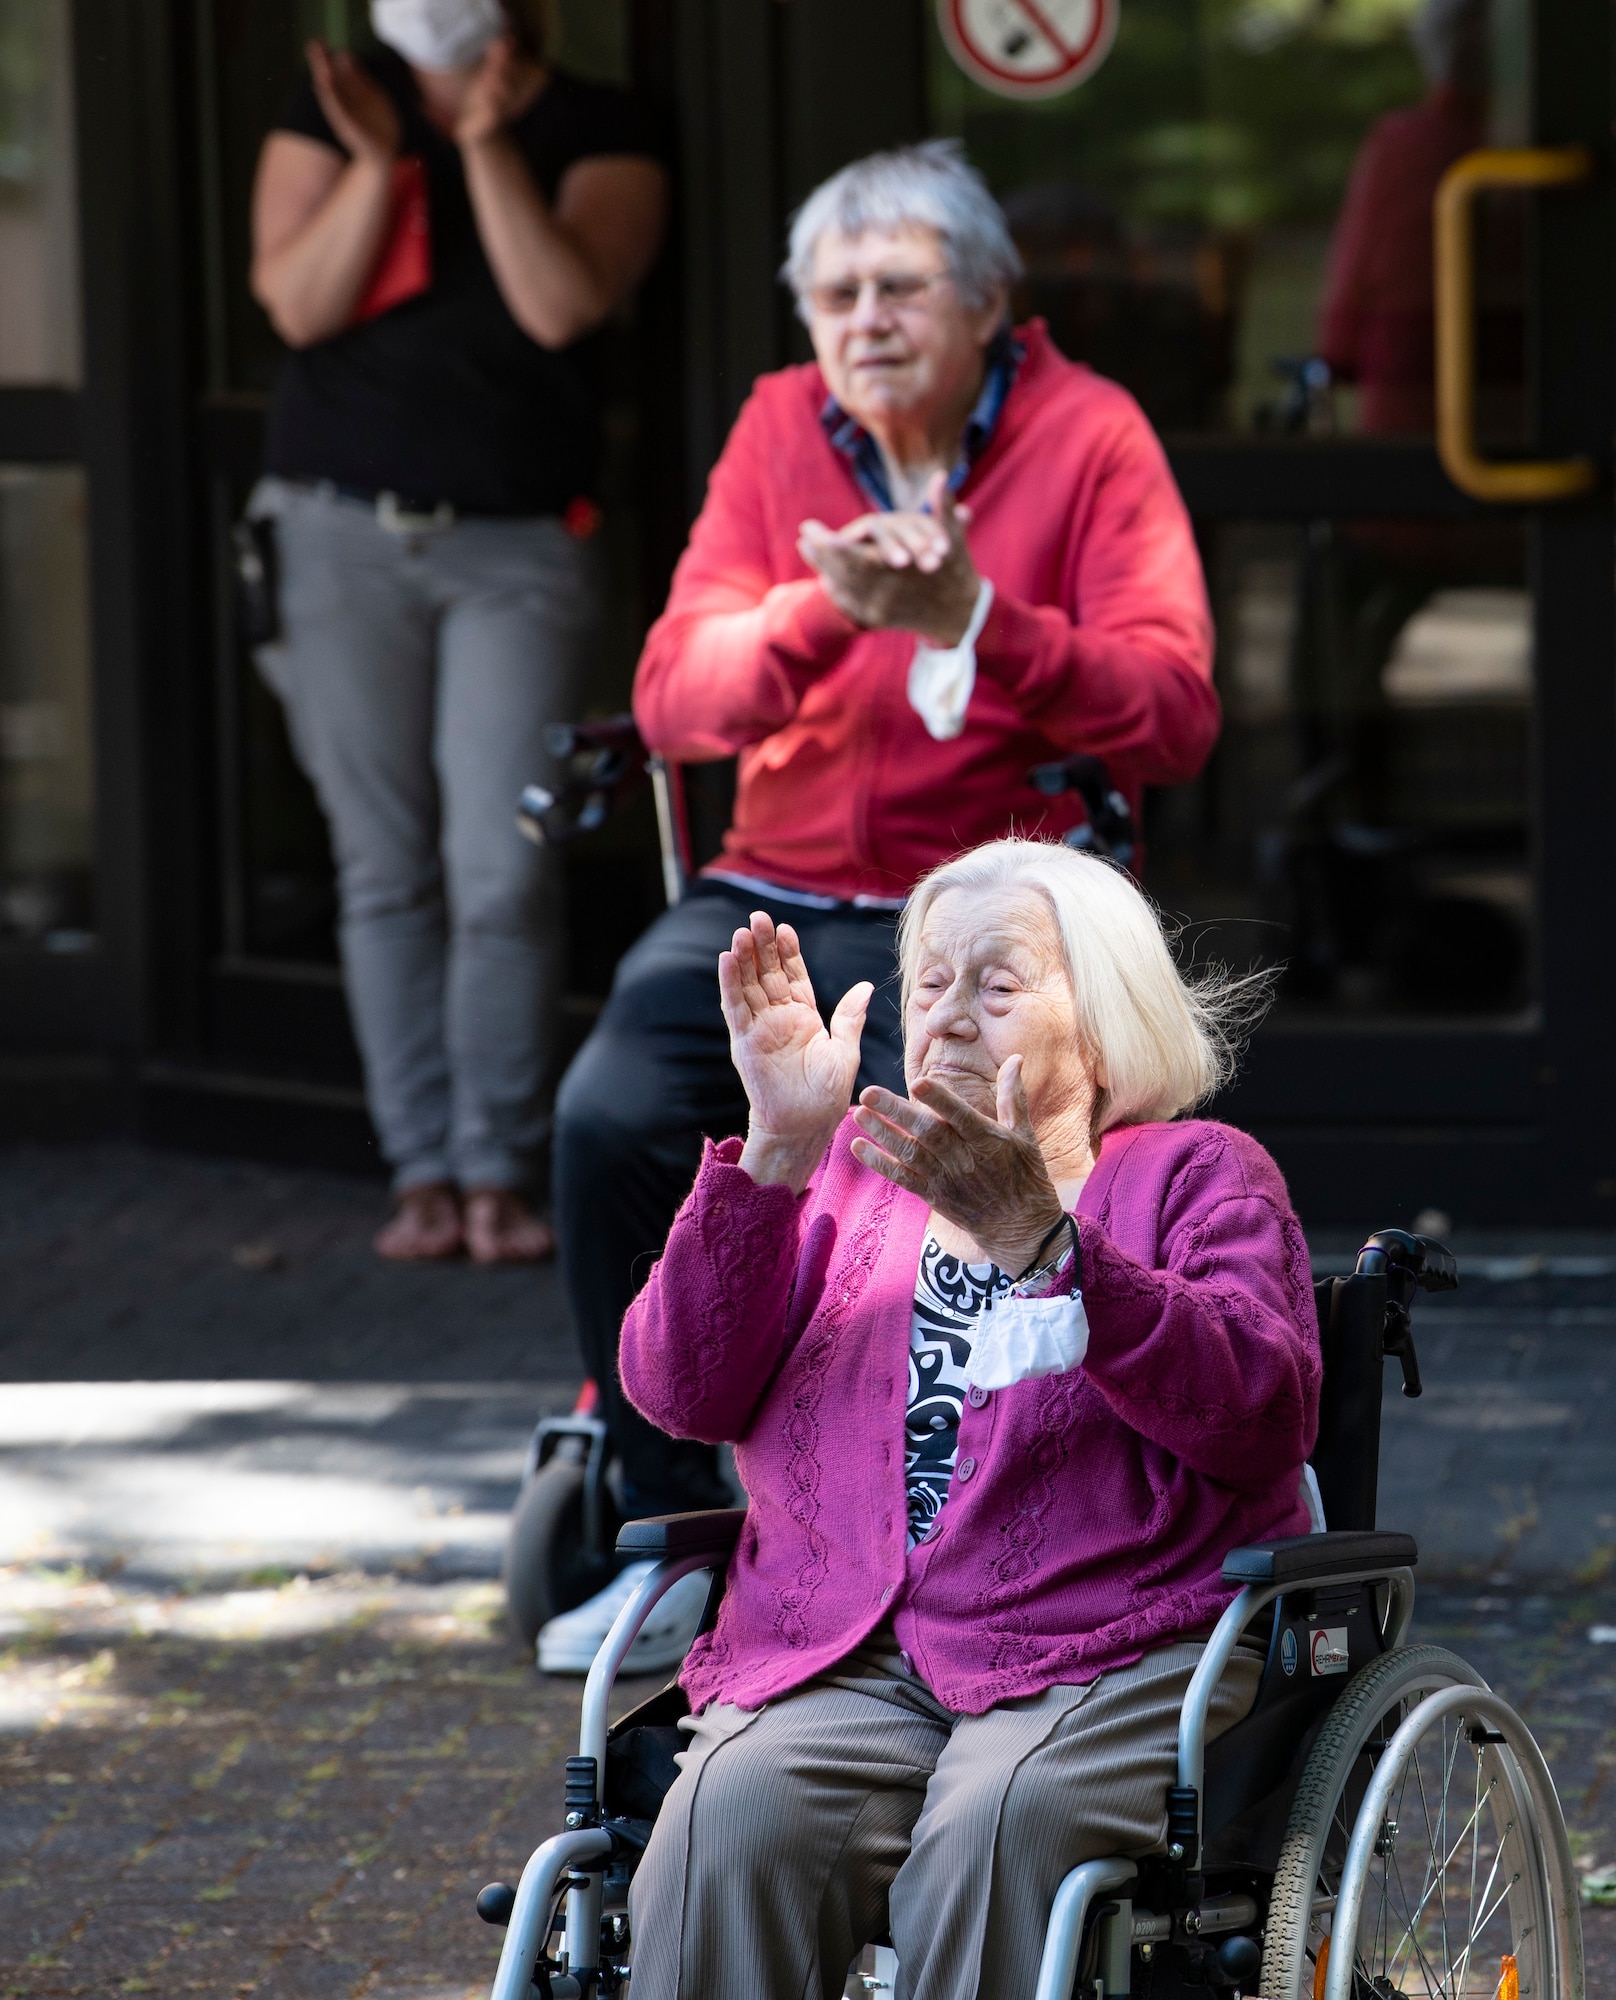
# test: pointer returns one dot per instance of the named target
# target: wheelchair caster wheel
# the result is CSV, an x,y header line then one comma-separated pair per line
x,y
547,1567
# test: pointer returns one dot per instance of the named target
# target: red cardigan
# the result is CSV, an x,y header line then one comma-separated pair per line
x,y
1100,639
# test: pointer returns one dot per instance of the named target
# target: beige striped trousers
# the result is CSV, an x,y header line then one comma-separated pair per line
x,y
797,1832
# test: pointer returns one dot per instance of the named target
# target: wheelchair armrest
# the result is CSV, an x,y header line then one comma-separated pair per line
x,y
1302,1559
712,1533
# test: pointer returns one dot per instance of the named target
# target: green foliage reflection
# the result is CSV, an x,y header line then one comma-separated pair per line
x,y
1228,113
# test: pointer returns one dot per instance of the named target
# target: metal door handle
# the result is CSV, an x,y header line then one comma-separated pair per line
x,y
1524,482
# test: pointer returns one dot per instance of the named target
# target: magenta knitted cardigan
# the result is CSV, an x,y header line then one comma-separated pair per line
x,y
1089,1513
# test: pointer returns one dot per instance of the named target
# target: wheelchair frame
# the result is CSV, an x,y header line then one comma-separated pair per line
x,y
1394,1264
564,1852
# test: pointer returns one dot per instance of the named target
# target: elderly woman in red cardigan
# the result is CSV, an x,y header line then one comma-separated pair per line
x,y
1009,1364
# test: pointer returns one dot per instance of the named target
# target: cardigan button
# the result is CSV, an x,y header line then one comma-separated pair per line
x,y
886,1595
976,1396
965,1468
907,1664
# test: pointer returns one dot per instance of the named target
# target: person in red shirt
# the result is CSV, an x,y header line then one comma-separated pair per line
x,y
936,556
1377,321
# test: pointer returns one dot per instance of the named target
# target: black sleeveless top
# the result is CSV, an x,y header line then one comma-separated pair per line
x,y
444,397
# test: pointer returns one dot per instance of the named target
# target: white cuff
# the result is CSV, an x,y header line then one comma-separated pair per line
x,y
941,677
1020,1338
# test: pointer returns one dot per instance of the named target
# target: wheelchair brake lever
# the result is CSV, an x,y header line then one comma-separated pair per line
x,y
1398,1339
1409,1264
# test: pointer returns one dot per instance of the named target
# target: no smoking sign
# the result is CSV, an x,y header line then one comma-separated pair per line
x,y
1028,48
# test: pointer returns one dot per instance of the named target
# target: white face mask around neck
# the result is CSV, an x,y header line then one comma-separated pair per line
x,y
438,34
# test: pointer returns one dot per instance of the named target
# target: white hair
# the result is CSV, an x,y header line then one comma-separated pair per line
x,y
929,186
1161,1042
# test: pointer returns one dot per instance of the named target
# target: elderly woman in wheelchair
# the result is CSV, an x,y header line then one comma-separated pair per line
x,y
1010,1365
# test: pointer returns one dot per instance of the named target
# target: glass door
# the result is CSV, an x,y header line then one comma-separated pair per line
x,y
1234,217
48,901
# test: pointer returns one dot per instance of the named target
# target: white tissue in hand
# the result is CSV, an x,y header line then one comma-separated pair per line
x,y
941,678
940,687
1023,1338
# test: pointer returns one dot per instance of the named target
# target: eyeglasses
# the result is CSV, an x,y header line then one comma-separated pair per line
x,y
893,289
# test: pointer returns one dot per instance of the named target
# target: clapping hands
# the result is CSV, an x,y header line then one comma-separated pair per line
x,y
505,84
798,1075
358,110
907,570
985,1174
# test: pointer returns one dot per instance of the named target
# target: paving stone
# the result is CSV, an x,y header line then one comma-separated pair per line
x,y
118,1262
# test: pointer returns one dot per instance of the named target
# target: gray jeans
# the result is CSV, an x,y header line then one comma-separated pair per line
x,y
418,672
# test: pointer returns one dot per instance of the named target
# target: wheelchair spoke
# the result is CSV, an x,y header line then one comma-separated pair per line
x,y
1475,1862
1488,1914
1436,1874
1413,1926
1410,1938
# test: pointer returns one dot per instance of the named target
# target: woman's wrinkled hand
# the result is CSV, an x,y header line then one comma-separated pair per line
x,y
798,1075
906,571
359,112
985,1176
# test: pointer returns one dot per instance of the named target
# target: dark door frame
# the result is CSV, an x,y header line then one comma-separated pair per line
x,y
75,1028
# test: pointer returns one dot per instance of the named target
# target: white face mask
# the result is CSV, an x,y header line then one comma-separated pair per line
x,y
438,34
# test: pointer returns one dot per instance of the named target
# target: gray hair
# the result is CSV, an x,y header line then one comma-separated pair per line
x,y
1162,1041
929,186
1450,39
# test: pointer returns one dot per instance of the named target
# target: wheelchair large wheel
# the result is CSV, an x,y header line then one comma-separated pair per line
x,y
546,1568
1460,1884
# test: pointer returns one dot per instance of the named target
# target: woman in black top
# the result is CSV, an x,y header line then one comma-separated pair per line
x,y
438,227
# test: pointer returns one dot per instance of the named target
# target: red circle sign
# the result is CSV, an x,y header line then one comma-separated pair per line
x,y
1028,48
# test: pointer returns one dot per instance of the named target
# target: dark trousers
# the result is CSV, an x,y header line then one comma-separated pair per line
x,y
653,1079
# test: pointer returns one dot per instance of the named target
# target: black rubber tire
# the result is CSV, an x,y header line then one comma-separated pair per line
x,y
545,1570
1395,1677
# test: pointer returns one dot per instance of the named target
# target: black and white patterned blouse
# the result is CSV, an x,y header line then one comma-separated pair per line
x,y
950,1298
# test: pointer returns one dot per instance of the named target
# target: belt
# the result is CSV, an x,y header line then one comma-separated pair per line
x,y
407,514
398,513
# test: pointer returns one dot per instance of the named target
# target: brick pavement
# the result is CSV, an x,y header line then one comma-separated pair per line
x,y
119,1263
277,1792
292,1793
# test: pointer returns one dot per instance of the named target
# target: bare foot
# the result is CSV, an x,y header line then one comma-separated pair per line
x,y
426,1224
502,1229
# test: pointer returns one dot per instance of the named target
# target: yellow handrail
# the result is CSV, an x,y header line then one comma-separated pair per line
x,y
1524,482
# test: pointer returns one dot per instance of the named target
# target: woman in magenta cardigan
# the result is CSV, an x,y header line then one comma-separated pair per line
x,y
1009,1365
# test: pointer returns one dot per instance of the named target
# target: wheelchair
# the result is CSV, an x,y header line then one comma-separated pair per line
x,y
1380,1826
559,1545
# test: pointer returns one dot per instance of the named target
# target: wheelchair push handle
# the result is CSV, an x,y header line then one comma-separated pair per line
x,y
1109,830
1409,1264
603,763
